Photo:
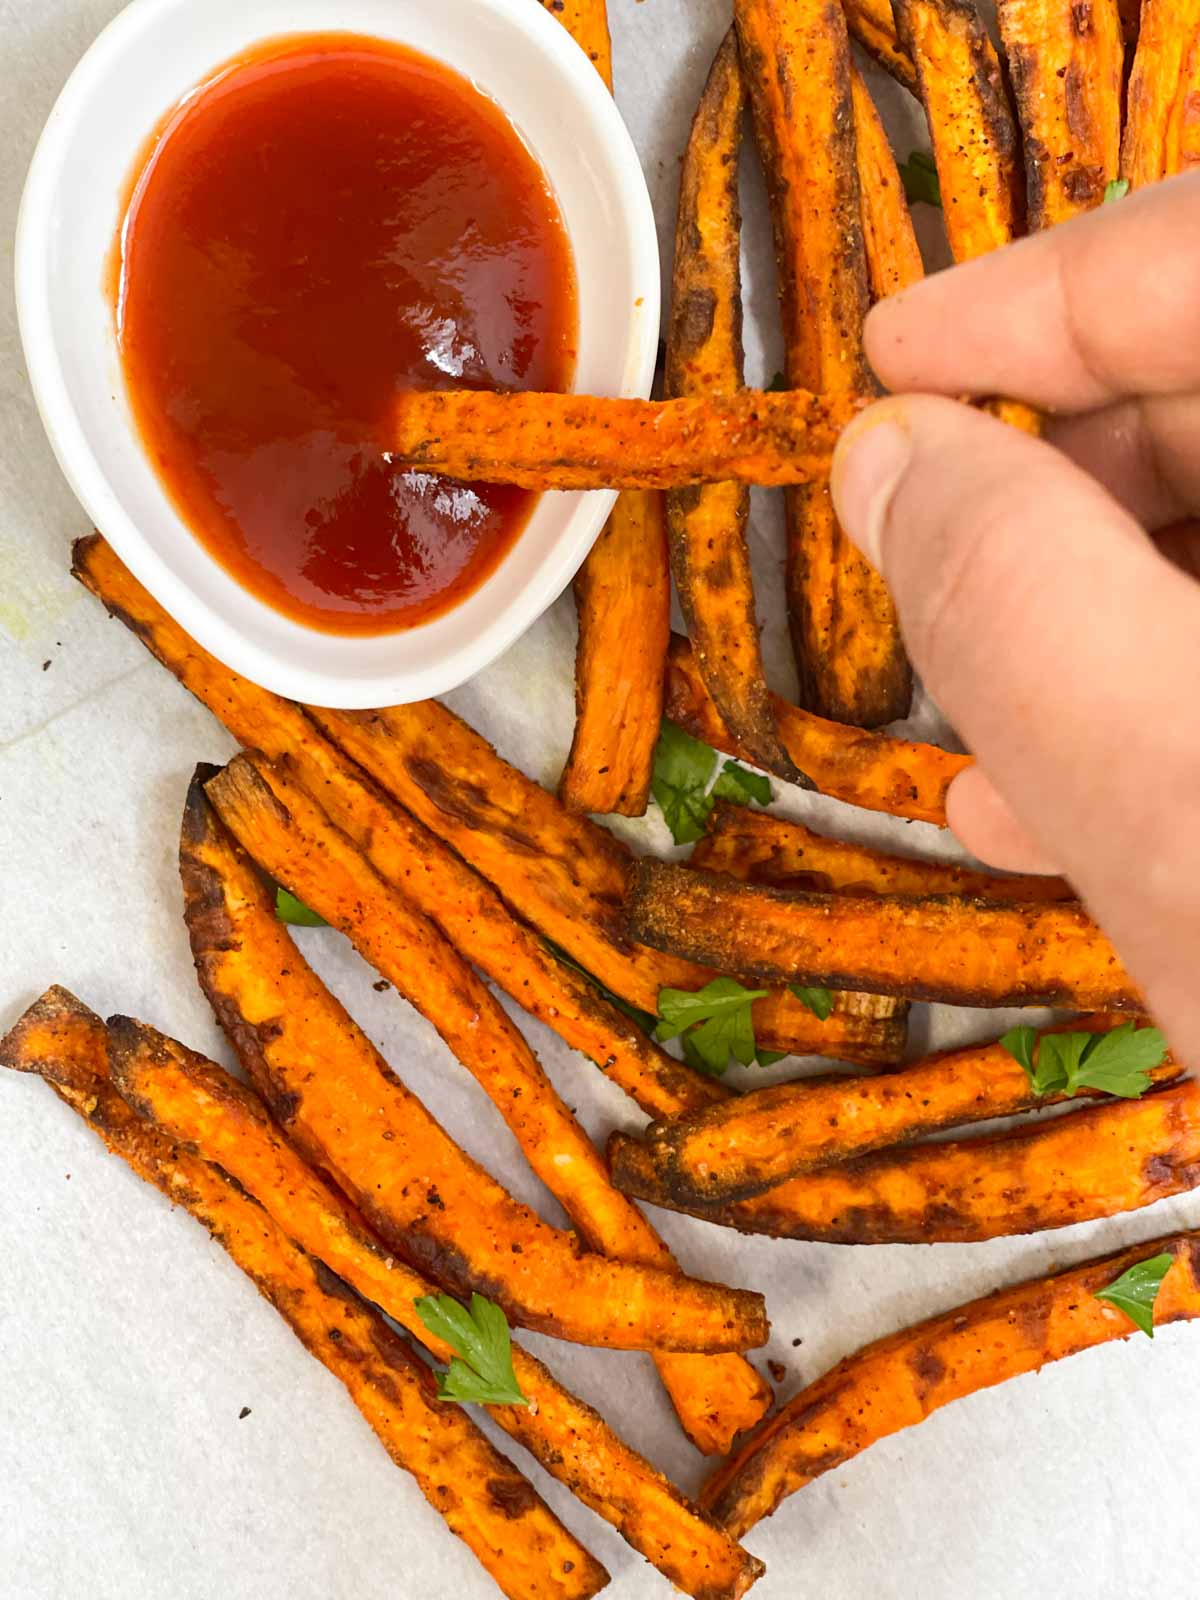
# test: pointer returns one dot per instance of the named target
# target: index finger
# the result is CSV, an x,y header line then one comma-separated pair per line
x,y
1079,316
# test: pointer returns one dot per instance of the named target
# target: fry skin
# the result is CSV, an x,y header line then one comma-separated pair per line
x,y
975,142
758,847
902,1379
623,603
197,1102
481,1495
873,26
407,855
572,441
1067,64
1162,120
1114,1157
587,23
864,769
733,1151
710,558
796,58
893,254
466,1240
939,947
564,874
294,839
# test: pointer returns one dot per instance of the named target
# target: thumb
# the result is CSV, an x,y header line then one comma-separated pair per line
x,y
1062,646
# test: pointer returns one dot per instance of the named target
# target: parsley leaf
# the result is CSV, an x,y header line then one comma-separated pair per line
x,y
290,909
683,769
1136,1290
1116,190
818,1001
643,1019
920,179
1118,1062
481,1372
715,1023
741,786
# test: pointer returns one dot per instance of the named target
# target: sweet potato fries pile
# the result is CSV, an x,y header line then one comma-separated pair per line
x,y
453,874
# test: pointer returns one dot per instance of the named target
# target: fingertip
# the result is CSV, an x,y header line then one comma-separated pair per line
x,y
870,460
984,823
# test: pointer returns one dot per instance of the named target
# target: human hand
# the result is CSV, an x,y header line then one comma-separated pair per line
x,y
1048,589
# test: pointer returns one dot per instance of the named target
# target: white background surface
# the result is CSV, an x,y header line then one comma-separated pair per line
x,y
129,1343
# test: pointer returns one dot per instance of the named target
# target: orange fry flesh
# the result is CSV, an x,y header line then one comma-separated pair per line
x,y
571,441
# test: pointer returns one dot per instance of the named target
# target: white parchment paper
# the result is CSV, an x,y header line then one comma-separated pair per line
x,y
129,1344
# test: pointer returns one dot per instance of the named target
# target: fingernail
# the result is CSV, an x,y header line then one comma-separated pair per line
x,y
871,458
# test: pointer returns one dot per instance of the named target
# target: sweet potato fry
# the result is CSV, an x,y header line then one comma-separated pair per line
x,y
975,142
287,830
1114,1157
940,947
1067,64
406,854
587,23
623,603
710,559
872,24
893,254
622,599
733,1151
481,1495
758,847
197,1102
902,1379
796,56
572,441
629,1305
564,874
1162,121
863,769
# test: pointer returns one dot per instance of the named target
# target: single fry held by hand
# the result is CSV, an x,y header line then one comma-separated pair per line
x,y
571,441
937,947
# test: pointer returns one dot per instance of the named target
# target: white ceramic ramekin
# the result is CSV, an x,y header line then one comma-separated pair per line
x,y
151,55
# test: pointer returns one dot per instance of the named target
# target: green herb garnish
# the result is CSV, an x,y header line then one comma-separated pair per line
x,y
481,1372
290,909
715,1023
1118,1062
818,1001
683,773
1136,1290
1116,190
920,179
